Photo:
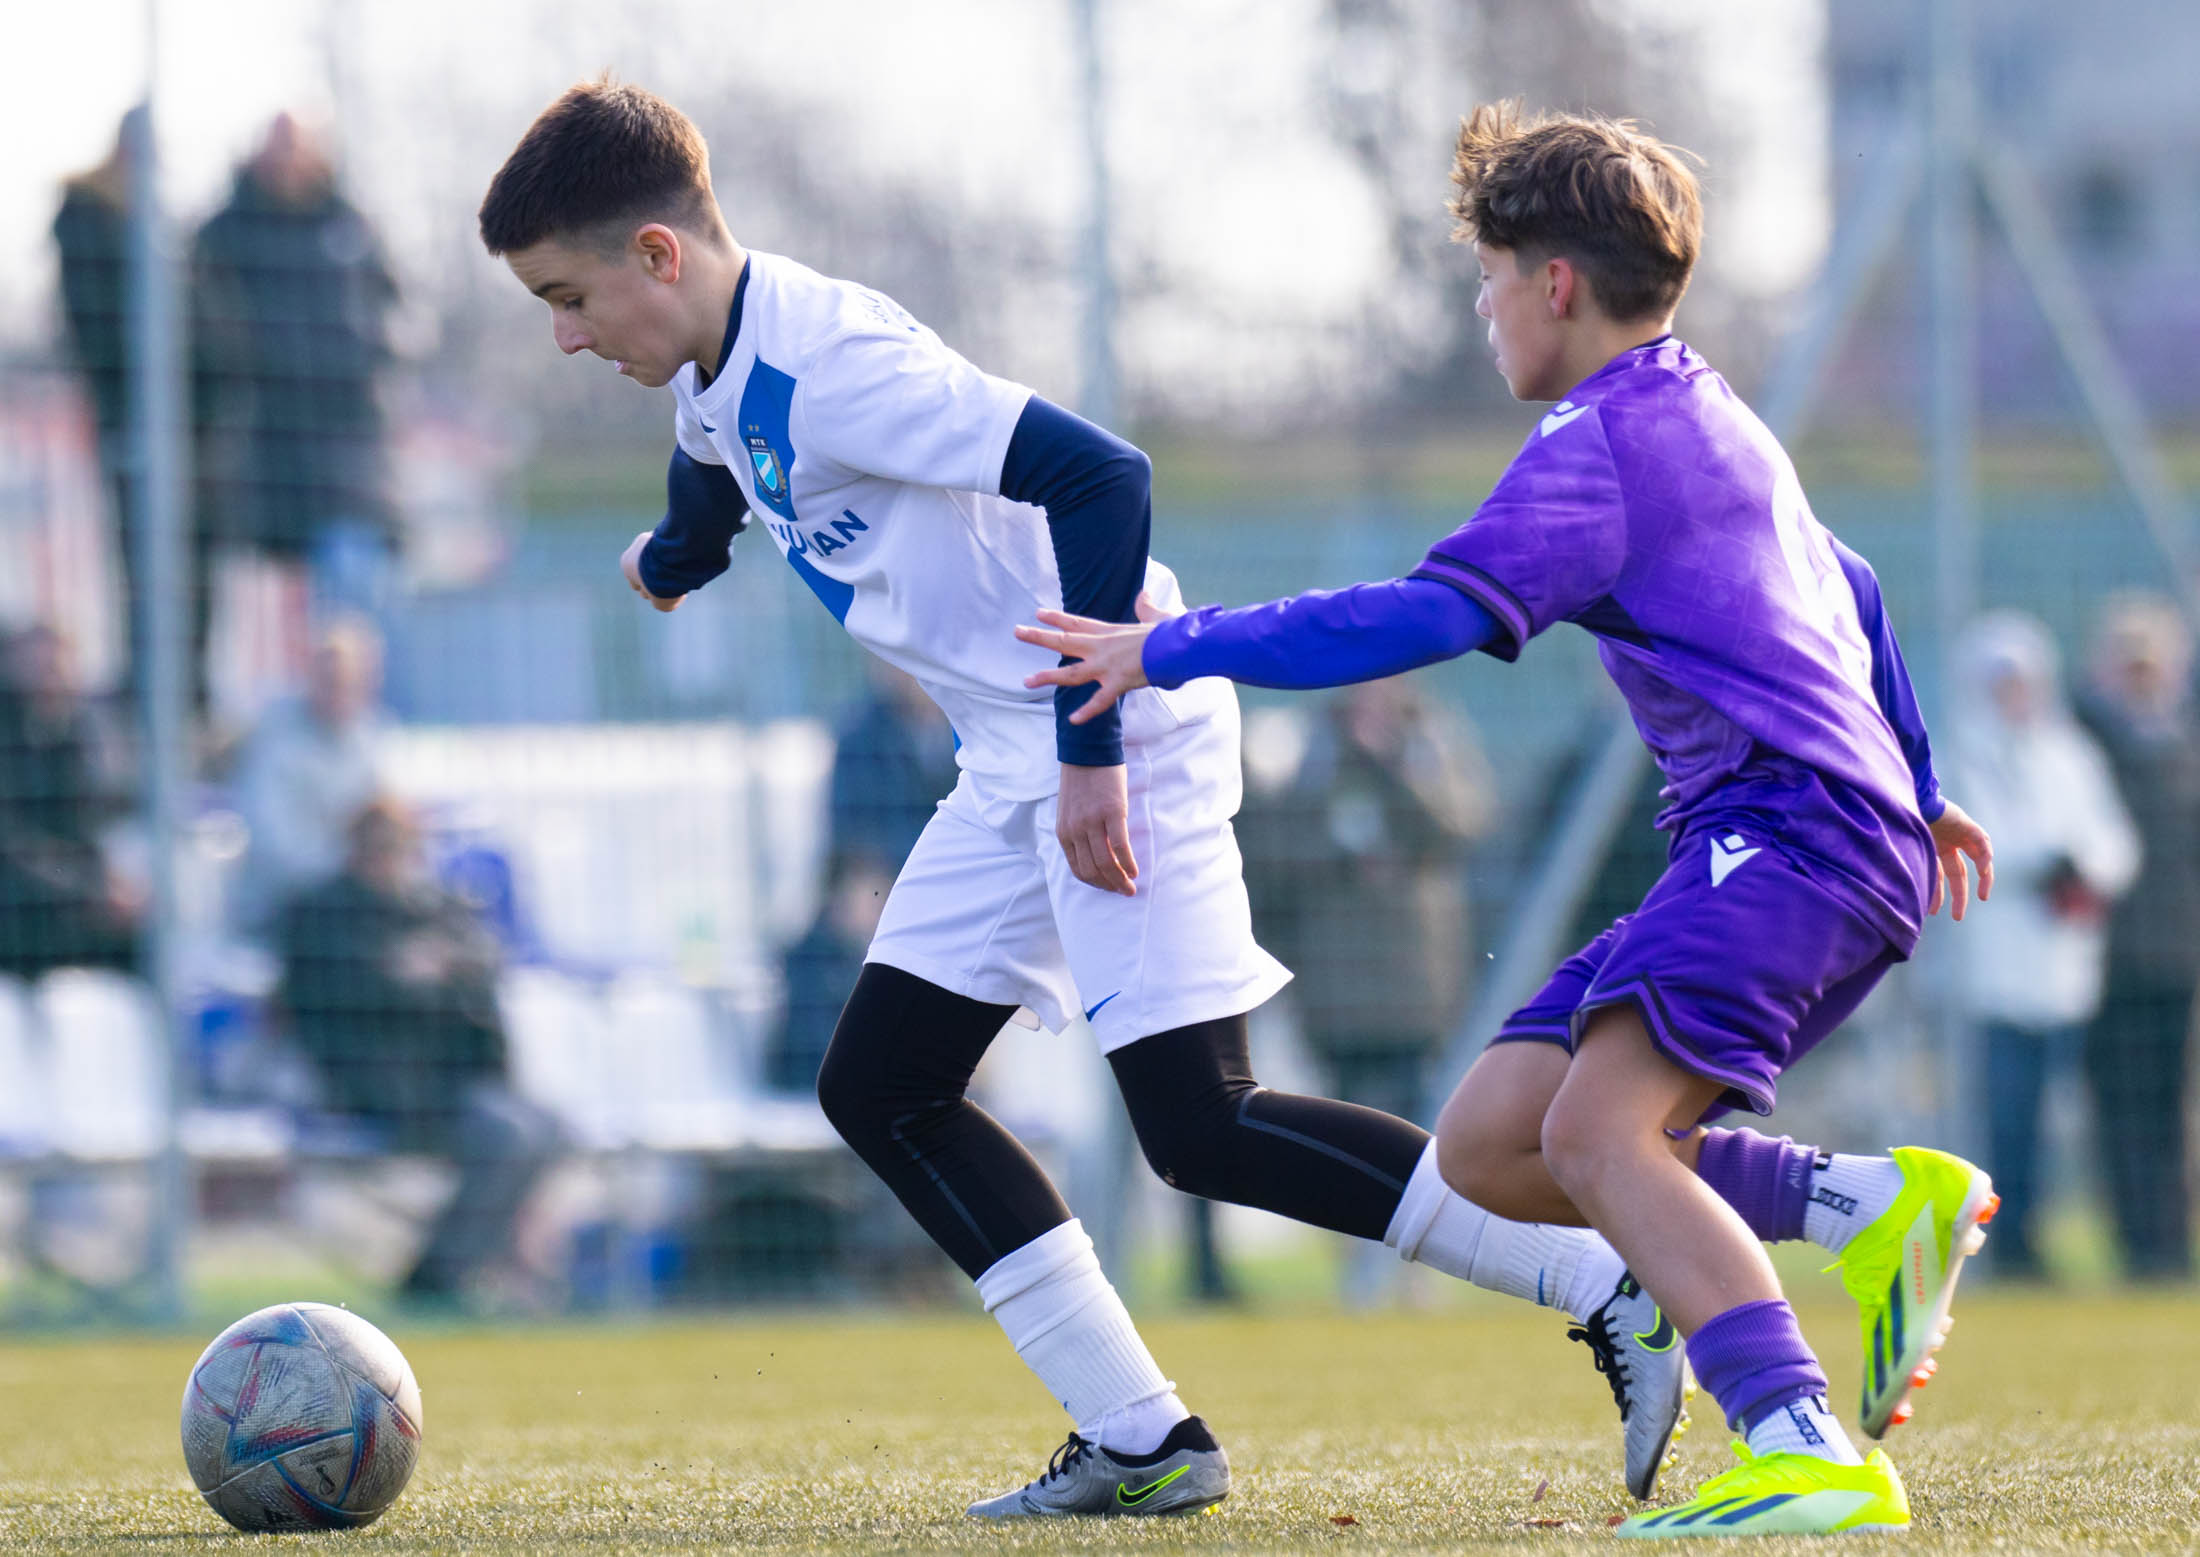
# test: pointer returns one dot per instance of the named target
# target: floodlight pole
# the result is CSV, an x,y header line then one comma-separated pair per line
x,y
1112,1162
1102,387
156,388
1951,276
1952,364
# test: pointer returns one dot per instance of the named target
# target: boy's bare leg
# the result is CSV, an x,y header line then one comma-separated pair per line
x,y
1605,1144
1489,1137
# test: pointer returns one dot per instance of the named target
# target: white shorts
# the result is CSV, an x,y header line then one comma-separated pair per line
x,y
987,906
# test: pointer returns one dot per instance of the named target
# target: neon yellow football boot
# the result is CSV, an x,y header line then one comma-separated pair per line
x,y
1783,1494
1902,1270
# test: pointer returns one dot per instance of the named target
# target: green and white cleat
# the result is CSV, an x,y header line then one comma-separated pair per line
x,y
1902,1271
1784,1494
1188,1474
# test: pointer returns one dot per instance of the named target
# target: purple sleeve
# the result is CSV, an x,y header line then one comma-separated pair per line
x,y
1097,491
1891,681
1548,542
704,511
1324,638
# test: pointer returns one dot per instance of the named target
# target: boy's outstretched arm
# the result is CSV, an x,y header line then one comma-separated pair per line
x,y
1955,835
1324,638
704,511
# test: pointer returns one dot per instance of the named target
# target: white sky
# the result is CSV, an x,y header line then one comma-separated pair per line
x,y
1224,171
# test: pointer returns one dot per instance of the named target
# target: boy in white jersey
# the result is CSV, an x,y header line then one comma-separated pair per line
x,y
1077,866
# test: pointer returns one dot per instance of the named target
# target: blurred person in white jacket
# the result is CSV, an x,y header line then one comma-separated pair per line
x,y
2064,850
309,767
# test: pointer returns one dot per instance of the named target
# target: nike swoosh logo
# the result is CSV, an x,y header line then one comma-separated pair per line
x,y
1728,856
1560,415
1130,1499
1095,1010
1661,1337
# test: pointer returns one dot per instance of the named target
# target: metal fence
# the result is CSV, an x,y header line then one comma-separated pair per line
x,y
516,957
385,900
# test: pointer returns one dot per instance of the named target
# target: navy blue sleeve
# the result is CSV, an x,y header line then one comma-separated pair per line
x,y
1324,638
704,511
1891,681
1098,494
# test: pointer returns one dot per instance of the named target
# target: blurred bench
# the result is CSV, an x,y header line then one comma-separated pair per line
x,y
636,1069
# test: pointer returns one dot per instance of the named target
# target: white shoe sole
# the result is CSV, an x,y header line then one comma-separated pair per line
x,y
1916,1364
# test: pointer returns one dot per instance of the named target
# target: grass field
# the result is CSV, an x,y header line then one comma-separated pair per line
x,y
2056,1425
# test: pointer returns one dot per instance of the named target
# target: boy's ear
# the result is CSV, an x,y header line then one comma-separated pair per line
x,y
1562,286
659,248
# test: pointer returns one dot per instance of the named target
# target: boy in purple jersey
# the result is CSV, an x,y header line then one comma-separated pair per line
x,y
1809,837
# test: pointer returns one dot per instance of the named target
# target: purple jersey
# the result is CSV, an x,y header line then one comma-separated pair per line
x,y
1653,508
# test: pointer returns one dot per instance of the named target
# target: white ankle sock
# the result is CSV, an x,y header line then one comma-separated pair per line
x,y
1804,1426
1070,1328
1846,1195
1557,1267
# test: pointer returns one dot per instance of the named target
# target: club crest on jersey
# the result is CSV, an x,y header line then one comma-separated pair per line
x,y
771,476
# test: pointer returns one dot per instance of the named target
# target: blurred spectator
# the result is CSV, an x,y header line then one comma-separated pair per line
x,y
92,233
1637,855
390,987
306,769
292,298
60,903
2138,1051
1357,871
2064,850
1359,867
821,968
1210,1279
893,764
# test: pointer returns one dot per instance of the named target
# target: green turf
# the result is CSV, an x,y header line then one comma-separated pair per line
x,y
2056,1425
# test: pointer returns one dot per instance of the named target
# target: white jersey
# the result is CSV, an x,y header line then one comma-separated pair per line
x,y
872,452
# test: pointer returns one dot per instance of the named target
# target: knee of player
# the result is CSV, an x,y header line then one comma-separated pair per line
x,y
1167,1153
1185,1157
846,1092
1470,1164
1577,1144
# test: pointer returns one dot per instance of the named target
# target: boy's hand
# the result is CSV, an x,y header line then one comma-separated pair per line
x,y
630,563
1954,836
1112,654
1092,822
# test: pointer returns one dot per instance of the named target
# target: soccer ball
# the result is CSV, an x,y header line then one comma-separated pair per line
x,y
301,1417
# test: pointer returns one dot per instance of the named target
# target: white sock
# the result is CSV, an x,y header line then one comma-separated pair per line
x,y
1804,1426
1070,1328
1846,1195
1568,1268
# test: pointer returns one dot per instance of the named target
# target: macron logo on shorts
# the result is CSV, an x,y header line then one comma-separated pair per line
x,y
1729,854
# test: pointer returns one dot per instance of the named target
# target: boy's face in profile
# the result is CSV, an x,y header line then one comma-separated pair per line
x,y
1525,328
624,307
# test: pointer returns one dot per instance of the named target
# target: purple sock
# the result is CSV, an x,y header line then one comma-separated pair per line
x,y
1754,1360
1767,1181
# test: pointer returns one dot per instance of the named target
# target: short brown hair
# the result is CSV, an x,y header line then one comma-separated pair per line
x,y
604,154
1618,203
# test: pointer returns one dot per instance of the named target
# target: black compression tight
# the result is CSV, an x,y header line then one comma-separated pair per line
x,y
894,1083
1210,1129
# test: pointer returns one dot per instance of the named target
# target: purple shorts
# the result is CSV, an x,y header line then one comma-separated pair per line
x,y
1737,974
